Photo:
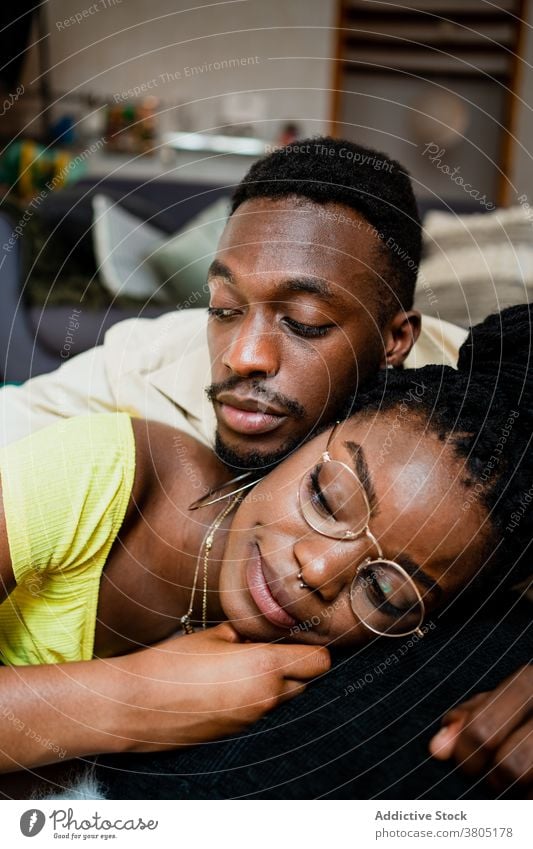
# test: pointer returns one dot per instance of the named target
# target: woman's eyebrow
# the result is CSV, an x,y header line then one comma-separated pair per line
x,y
363,473
414,570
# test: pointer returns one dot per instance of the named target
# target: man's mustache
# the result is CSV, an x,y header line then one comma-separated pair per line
x,y
256,389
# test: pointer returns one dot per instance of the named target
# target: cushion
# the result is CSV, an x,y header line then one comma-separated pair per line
x,y
475,265
121,245
182,261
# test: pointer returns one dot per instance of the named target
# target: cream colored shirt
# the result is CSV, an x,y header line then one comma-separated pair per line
x,y
156,369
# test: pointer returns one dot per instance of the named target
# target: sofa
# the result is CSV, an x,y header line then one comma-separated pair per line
x,y
32,335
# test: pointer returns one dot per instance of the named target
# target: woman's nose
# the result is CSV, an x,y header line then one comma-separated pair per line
x,y
329,565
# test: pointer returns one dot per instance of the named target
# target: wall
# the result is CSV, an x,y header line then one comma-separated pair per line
x,y
387,113
119,47
522,176
174,50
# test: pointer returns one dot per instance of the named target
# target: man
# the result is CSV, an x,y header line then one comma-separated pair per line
x,y
311,293
303,222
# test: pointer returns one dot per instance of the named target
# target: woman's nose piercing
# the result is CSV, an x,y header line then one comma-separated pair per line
x,y
303,585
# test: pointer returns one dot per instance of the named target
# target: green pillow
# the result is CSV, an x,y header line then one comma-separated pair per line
x,y
122,243
182,261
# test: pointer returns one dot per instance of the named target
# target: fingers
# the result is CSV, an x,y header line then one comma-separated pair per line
x,y
226,632
461,711
492,731
497,714
290,689
442,744
514,761
303,662
206,641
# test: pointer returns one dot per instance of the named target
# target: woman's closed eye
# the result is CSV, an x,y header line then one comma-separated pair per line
x,y
380,590
318,499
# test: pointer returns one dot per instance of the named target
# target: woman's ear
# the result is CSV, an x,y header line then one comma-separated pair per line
x,y
399,336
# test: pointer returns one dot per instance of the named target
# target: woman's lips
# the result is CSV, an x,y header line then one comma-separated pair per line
x,y
249,421
260,592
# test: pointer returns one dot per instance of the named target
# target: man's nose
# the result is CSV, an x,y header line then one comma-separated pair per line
x,y
253,351
329,565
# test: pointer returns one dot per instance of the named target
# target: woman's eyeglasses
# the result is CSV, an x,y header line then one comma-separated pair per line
x,y
334,503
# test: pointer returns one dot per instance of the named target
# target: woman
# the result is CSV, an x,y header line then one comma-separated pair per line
x,y
367,529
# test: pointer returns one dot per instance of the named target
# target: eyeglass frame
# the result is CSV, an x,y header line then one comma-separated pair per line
x,y
351,536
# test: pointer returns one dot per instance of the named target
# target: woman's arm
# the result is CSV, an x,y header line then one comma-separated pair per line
x,y
180,692
56,712
7,578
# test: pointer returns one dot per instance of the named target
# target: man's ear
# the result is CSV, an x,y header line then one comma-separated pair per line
x,y
399,336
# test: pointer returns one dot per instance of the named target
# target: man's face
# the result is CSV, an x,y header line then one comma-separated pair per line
x,y
294,323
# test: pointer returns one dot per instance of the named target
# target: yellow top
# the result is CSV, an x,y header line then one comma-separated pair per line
x,y
65,490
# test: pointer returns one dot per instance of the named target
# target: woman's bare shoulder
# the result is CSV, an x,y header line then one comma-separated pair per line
x,y
172,462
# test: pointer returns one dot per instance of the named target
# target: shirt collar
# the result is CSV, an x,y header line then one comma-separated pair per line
x,y
184,382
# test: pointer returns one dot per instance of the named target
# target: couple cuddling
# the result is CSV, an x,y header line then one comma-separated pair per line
x,y
389,504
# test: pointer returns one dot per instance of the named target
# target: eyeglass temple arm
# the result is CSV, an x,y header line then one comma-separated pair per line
x,y
201,502
373,539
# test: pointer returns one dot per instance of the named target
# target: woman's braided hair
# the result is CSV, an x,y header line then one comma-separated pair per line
x,y
484,409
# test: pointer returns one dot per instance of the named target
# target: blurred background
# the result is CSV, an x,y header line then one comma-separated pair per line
x,y
125,126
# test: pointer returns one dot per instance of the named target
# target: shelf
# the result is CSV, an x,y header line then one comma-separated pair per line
x,y
432,38
380,60
204,143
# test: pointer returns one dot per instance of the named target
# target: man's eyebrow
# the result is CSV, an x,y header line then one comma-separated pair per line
x,y
311,285
363,473
218,269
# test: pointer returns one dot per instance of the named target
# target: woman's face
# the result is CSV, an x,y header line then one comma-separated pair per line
x,y
416,490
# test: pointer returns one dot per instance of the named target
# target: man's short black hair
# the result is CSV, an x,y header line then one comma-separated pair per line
x,y
327,170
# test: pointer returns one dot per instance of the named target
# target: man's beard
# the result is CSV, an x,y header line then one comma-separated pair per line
x,y
242,459
246,459
260,462
256,461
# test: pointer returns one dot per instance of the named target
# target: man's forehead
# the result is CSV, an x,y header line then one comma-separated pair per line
x,y
294,237
297,221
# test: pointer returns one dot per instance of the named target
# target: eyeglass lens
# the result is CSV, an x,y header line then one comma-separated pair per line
x,y
333,500
385,599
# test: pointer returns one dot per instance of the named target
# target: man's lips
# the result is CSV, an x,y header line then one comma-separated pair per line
x,y
262,595
248,415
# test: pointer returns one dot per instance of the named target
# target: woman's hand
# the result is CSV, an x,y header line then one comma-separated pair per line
x,y
192,689
180,692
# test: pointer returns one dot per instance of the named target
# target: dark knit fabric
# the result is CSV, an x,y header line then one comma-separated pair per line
x,y
360,732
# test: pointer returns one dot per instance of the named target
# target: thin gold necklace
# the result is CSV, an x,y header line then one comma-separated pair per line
x,y
206,547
